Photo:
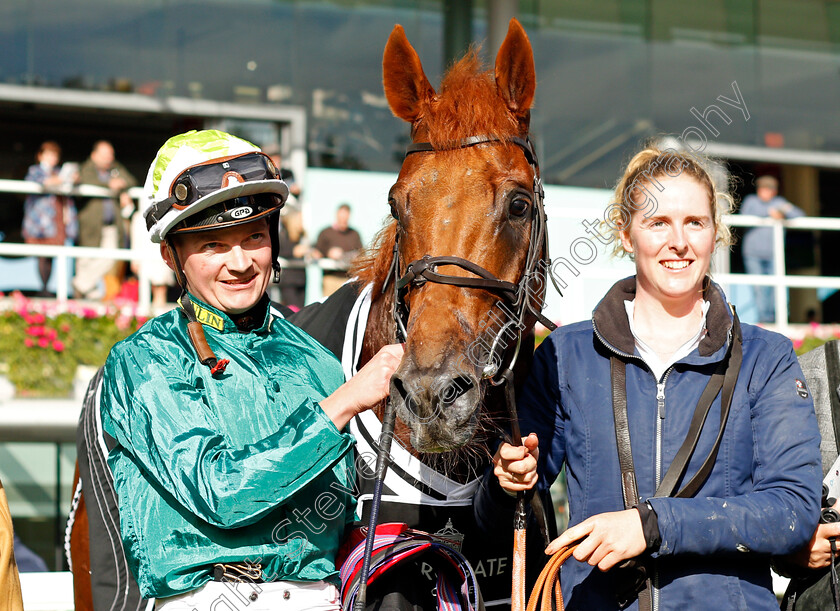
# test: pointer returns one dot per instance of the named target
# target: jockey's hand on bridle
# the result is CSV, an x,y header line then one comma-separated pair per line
x,y
516,466
370,385
605,539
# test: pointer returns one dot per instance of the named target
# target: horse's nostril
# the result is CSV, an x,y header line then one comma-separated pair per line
x,y
409,401
456,388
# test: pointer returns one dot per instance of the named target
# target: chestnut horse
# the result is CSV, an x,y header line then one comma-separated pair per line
x,y
459,271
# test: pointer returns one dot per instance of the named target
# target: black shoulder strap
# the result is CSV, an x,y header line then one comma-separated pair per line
x,y
832,366
733,366
629,490
723,379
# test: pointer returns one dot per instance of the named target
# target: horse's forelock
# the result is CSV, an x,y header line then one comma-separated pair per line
x,y
468,105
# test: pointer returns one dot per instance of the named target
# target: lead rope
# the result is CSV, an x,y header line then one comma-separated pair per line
x,y
517,587
835,589
382,458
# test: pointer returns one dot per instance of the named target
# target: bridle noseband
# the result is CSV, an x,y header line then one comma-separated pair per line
x,y
517,297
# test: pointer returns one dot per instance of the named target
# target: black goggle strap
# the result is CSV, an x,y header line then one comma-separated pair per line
x,y
158,211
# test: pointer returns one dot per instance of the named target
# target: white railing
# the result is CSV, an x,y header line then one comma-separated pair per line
x,y
62,254
779,278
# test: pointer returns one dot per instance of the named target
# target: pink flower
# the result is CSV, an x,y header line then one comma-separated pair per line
x,y
51,334
43,342
65,328
122,322
797,344
35,331
37,319
58,345
88,313
27,341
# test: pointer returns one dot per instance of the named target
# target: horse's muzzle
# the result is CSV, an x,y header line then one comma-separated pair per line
x,y
439,405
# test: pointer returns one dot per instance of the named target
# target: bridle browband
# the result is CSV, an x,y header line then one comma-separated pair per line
x,y
519,297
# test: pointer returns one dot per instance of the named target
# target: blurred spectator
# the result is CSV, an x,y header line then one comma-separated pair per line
x,y
27,560
101,221
49,218
294,245
340,243
10,597
159,275
758,241
273,151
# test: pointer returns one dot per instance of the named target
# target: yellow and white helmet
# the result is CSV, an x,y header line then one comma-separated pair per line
x,y
209,179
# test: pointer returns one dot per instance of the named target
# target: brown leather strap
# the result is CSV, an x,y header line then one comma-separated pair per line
x,y
725,378
629,490
199,341
517,592
547,588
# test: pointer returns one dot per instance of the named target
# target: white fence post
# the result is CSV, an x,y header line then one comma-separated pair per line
x,y
780,289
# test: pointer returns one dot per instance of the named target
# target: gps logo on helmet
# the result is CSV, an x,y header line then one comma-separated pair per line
x,y
240,213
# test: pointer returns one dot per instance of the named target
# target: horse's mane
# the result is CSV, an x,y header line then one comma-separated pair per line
x,y
373,264
468,105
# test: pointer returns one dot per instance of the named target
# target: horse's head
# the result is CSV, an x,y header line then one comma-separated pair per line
x,y
467,195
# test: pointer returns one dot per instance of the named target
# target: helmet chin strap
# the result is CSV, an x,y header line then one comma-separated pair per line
x,y
194,328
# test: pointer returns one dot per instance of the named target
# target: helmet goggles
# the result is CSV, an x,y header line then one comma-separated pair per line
x,y
198,182
206,178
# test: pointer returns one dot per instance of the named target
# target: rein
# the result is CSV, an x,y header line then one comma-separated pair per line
x,y
520,298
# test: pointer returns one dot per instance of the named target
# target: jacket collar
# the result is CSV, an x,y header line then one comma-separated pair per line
x,y
257,319
611,325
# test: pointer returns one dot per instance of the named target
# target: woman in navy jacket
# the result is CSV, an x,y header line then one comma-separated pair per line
x,y
671,327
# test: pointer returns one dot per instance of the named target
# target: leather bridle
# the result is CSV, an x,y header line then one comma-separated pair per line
x,y
519,297
523,298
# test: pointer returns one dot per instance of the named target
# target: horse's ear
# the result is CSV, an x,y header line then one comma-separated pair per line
x,y
406,86
515,76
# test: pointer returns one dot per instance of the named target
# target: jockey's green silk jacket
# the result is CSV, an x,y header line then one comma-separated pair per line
x,y
242,465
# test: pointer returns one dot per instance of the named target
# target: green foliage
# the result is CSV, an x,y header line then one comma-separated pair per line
x,y
39,350
808,343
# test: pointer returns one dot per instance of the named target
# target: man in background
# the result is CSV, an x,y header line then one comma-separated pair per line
x,y
101,222
340,243
758,241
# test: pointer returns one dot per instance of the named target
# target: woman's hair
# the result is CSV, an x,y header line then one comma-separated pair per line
x,y
637,189
49,145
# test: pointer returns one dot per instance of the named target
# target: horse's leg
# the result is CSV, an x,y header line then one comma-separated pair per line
x,y
80,554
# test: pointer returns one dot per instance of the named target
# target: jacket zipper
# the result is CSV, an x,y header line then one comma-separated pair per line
x,y
660,409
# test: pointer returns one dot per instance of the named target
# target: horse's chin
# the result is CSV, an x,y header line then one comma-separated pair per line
x,y
436,438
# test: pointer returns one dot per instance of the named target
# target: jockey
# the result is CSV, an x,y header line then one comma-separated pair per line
x,y
226,424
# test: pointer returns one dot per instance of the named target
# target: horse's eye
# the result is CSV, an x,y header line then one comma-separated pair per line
x,y
393,205
519,206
